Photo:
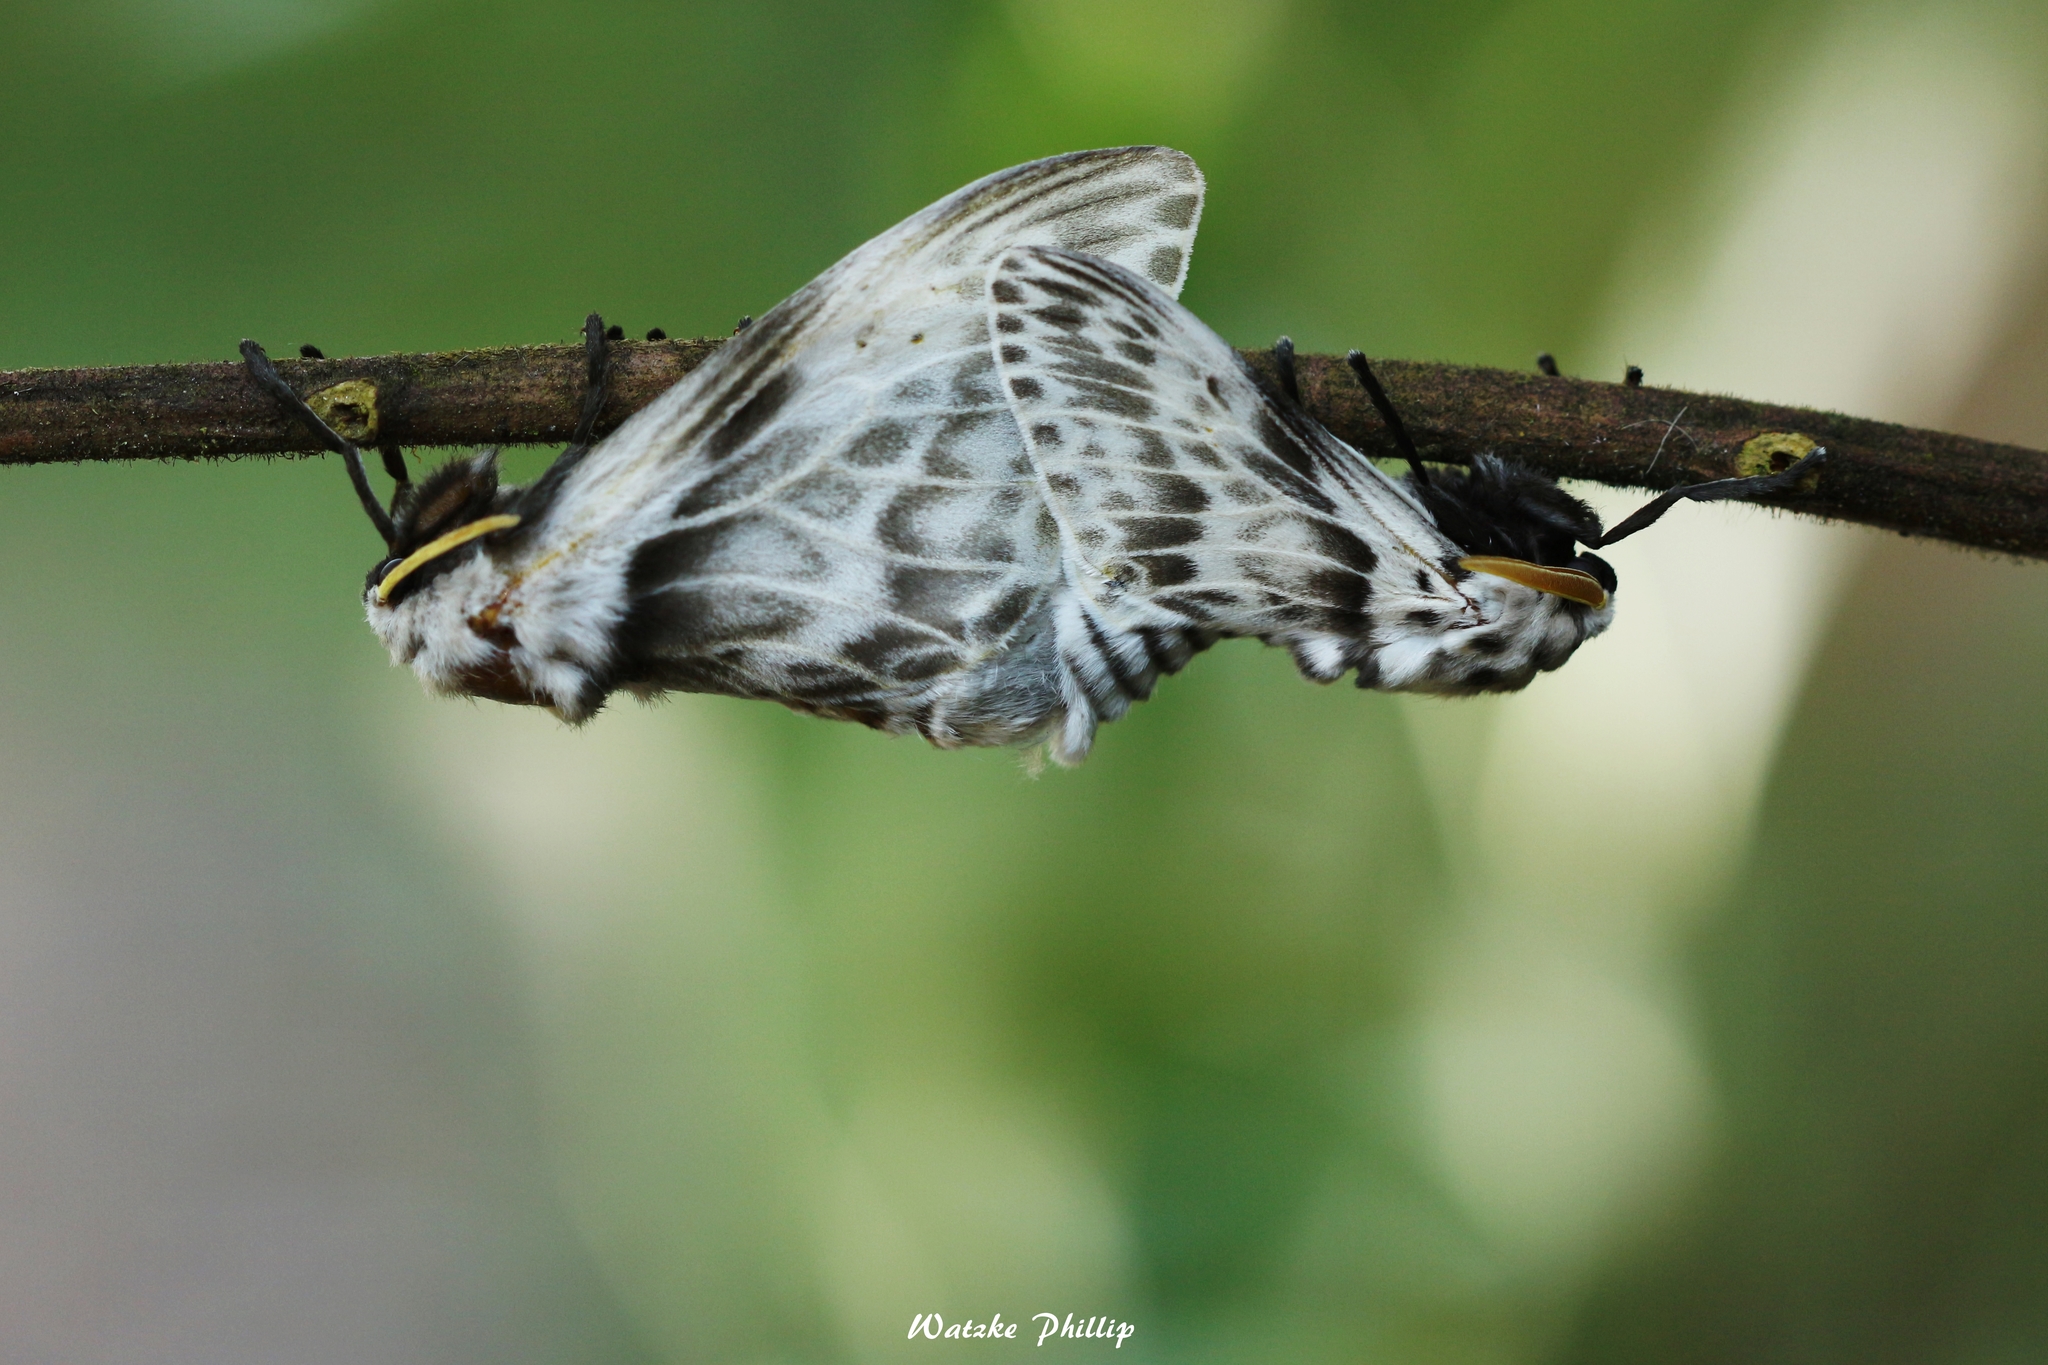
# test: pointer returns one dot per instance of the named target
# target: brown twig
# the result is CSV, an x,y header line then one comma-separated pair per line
x,y
1926,483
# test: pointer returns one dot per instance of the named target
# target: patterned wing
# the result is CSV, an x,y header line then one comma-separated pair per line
x,y
837,509
907,306
1190,505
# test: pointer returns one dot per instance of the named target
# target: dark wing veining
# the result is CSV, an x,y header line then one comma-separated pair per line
x,y
1191,504
838,509
920,283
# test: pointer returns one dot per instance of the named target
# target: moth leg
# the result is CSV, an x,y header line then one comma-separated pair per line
x,y
597,369
394,465
266,376
1719,490
1399,431
1283,365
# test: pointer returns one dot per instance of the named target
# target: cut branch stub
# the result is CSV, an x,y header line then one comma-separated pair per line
x,y
350,407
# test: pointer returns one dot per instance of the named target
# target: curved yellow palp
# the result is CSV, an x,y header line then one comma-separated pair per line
x,y
1574,584
441,545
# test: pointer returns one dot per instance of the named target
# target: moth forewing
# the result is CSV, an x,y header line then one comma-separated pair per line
x,y
907,305
835,511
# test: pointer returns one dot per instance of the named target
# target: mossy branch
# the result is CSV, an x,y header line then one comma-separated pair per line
x,y
1926,483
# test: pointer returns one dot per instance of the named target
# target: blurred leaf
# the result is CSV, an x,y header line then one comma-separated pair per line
x,y
1877,992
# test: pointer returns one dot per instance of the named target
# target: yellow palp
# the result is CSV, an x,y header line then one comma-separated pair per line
x,y
1568,583
441,545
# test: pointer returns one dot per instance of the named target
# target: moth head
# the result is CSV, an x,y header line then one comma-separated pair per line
x,y
1514,523
438,523
1535,597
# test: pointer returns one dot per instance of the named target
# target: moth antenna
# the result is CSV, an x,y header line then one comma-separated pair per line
x,y
1546,364
1356,360
1283,365
266,376
1719,490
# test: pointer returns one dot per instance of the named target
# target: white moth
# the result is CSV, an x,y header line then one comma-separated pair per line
x,y
983,480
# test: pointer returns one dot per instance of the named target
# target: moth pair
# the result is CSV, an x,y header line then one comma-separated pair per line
x,y
986,481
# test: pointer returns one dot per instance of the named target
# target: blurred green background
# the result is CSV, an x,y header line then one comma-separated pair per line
x,y
1692,1006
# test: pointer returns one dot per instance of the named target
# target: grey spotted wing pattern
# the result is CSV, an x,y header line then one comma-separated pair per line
x,y
837,511
1190,505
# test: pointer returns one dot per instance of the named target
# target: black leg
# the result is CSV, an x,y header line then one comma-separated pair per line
x,y
597,368
1356,360
1283,365
1720,490
394,465
266,375
597,365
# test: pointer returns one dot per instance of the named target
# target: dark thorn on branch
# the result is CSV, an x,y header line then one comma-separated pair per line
x,y
1924,483
311,352
656,334
1633,376
1546,364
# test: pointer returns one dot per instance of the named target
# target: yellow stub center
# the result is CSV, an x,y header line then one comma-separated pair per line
x,y
350,407
1568,583
441,545
1771,451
